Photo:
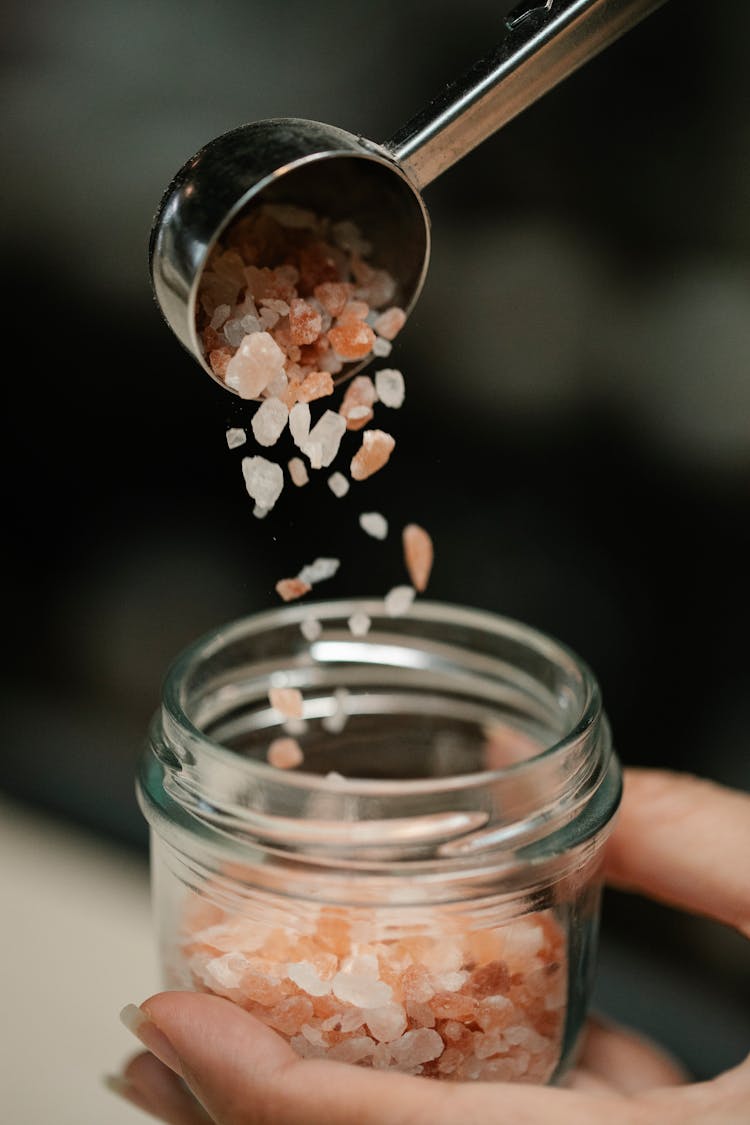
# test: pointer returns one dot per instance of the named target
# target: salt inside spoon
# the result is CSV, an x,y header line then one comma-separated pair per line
x,y
378,187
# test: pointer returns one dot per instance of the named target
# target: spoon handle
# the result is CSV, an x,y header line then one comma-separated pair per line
x,y
547,40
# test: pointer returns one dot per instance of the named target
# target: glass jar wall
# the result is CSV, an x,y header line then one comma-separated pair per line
x,y
422,891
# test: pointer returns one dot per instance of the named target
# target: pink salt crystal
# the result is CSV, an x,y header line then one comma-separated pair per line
x,y
319,384
285,754
353,1050
360,396
390,323
235,437
379,288
360,990
333,296
415,1047
306,978
305,1049
290,588
452,1006
269,421
450,1060
289,1016
304,322
330,362
218,360
418,555
494,1012
298,472
398,600
314,1035
255,363
492,979
287,701
375,451
386,1023
352,339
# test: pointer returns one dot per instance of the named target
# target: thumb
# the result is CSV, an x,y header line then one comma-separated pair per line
x,y
245,1074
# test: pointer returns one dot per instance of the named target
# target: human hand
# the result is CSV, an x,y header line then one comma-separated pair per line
x,y
676,839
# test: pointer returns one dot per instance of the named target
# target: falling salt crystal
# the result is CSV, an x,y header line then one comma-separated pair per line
x,y
389,384
264,480
295,726
221,313
398,600
382,347
374,524
235,437
304,976
299,423
338,484
319,571
269,421
287,701
373,454
298,471
327,432
285,754
359,624
336,722
290,588
418,555
311,629
260,512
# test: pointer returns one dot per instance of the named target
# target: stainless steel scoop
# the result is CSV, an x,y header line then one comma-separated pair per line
x,y
342,176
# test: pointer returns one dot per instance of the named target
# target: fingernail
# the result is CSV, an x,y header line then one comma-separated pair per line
x,y
137,1022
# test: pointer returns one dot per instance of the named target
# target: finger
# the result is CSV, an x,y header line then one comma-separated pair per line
x,y
154,1088
245,1074
627,1061
678,838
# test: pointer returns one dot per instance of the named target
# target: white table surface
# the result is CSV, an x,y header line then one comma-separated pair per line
x,y
76,940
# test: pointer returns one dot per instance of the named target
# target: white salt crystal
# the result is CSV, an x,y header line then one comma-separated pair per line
x,y
298,471
221,312
334,776
235,437
264,480
336,722
305,1048
227,971
327,432
269,421
277,386
357,412
416,1047
269,318
234,333
338,484
386,1023
398,600
256,362
305,977
352,1050
362,991
311,629
299,422
374,524
250,324
382,348
278,306
319,571
389,384
313,1035
314,451
290,216
359,624
260,512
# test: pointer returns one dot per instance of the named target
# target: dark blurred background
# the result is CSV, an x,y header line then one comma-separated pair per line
x,y
575,434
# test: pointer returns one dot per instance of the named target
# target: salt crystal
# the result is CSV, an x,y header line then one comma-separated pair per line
x,y
314,1035
235,437
280,307
311,629
362,991
386,1023
381,348
269,421
352,1050
327,432
390,323
318,384
269,318
359,624
250,324
314,450
351,339
290,588
418,555
374,524
334,777
319,571
305,977
398,600
298,472
419,1046
305,1049
356,405
255,363
221,313
389,384
299,423
228,970
336,722
234,333
304,322
375,451
287,701
330,362
348,236
338,484
264,480
260,512
278,385
285,754
291,216
295,727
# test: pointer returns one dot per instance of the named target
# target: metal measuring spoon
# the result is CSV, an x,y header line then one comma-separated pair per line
x,y
378,187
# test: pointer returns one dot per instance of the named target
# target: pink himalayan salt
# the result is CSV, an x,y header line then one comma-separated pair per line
x,y
290,588
418,1046
375,451
304,322
318,384
390,323
352,339
287,701
298,472
255,363
288,1016
333,296
360,396
418,555
285,754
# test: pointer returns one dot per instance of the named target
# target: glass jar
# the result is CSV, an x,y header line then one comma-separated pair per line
x,y
422,892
